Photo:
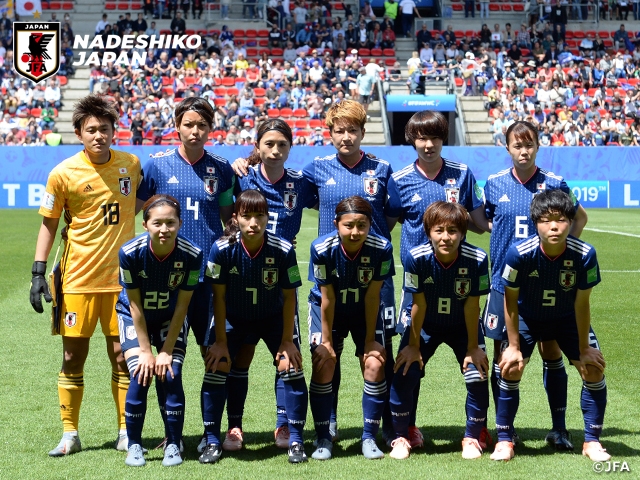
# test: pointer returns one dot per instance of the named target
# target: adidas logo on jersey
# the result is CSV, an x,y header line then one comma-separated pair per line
x,y
504,198
534,274
331,181
415,198
88,189
234,270
429,280
173,179
142,274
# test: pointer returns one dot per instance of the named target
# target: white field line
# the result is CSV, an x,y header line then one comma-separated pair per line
x,y
625,234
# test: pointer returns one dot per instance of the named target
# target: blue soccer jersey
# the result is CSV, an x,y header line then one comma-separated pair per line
x,y
335,181
286,199
253,283
508,205
548,287
411,192
158,280
446,288
330,265
200,188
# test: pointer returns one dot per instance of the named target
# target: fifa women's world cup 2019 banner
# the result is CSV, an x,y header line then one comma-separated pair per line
x,y
36,49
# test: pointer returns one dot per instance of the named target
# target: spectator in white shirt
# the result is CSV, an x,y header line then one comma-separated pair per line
x,y
52,95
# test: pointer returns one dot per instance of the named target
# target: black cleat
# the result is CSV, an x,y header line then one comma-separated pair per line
x,y
211,453
296,453
559,439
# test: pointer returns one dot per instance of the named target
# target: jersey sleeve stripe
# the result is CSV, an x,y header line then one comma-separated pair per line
x,y
459,166
421,251
528,245
326,244
578,246
135,244
403,172
501,173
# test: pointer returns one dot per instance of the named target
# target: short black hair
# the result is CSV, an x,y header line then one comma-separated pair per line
x,y
552,201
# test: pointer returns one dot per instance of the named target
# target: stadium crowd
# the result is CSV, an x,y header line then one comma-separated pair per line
x,y
578,88
294,73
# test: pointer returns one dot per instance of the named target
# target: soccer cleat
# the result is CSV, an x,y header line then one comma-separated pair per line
x,y
401,448
485,439
68,445
515,439
202,445
559,439
296,453
503,451
333,431
163,446
471,449
135,457
281,436
122,443
595,451
172,456
416,439
370,450
211,453
233,440
323,451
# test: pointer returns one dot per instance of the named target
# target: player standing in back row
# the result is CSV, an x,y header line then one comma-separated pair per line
x,y
508,196
96,191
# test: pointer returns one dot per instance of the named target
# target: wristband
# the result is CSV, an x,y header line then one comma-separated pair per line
x,y
39,268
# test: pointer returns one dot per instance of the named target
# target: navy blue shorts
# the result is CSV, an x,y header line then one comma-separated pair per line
x,y
341,329
251,333
493,316
564,331
157,334
200,314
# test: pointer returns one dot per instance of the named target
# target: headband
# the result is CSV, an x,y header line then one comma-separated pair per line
x,y
157,201
355,212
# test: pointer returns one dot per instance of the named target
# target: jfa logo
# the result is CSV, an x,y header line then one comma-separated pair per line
x,y
37,47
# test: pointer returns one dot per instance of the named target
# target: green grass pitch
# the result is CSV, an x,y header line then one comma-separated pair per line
x,y
31,425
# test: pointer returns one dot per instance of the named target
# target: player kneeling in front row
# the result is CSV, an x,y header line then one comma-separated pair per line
x,y
446,278
159,271
548,280
348,267
254,276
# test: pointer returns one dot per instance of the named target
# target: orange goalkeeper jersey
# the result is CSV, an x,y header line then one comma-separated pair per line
x,y
99,204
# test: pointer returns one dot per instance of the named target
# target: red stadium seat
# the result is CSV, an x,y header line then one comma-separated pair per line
x,y
326,134
219,102
252,52
62,80
190,81
167,90
364,52
290,122
388,52
389,62
258,102
506,8
67,5
494,8
302,133
314,123
286,112
251,33
124,134
518,8
273,113
232,91
604,35
35,112
579,35
300,113
264,33
456,7
109,6
277,52
263,51
259,92
45,5
263,42
123,6
228,81
55,5
165,81
190,32
238,32
376,52
219,132
136,6
302,124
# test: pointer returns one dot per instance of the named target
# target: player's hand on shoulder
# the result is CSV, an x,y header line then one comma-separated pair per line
x,y
216,353
375,350
406,356
477,357
163,365
240,167
322,354
39,286
145,369
288,357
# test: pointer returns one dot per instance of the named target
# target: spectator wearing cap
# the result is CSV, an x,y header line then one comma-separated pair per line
x,y
303,36
248,132
317,139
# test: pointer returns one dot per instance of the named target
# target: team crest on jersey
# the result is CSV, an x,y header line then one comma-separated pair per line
x,y
130,332
453,195
463,286
567,278
365,274
175,279
370,185
211,185
492,321
125,185
290,200
270,276
70,319
37,47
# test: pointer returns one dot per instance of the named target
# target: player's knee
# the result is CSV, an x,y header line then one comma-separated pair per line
x,y
373,369
73,363
512,374
593,374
